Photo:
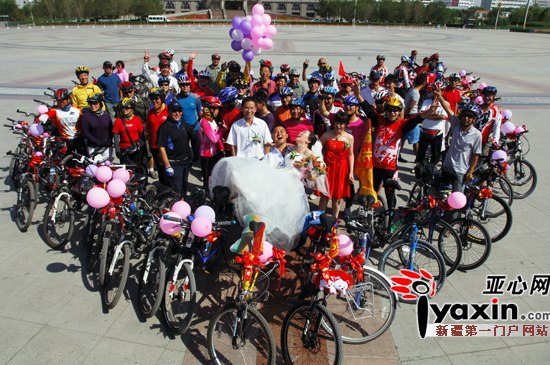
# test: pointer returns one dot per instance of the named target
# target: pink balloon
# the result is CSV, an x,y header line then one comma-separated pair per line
x,y
267,19
121,174
345,245
38,154
482,86
507,128
257,20
258,9
97,197
45,134
104,174
206,212
507,113
42,109
91,170
457,200
17,126
182,208
479,100
116,188
201,226
267,44
499,155
170,227
270,31
256,32
43,118
519,129
267,252
246,43
36,130
462,73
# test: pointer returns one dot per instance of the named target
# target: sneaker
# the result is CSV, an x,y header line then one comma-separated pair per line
x,y
153,174
401,159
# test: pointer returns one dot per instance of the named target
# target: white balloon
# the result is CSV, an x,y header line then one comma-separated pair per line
x,y
237,35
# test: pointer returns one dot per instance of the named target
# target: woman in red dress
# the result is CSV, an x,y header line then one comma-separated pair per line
x,y
338,156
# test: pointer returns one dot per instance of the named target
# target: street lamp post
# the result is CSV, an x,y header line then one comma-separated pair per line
x,y
526,13
354,11
498,13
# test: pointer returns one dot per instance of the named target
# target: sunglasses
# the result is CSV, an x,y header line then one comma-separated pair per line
x,y
182,85
176,111
127,107
393,110
165,84
154,97
93,103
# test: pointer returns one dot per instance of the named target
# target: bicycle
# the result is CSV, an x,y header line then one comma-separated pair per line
x,y
521,173
238,333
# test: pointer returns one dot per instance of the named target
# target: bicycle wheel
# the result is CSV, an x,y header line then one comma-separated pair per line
x,y
26,202
476,242
150,194
58,222
502,188
367,309
400,256
179,299
93,241
240,336
497,218
151,283
305,341
118,267
525,145
523,177
108,239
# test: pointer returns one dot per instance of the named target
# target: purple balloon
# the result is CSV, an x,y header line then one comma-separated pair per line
x,y
231,32
246,43
236,46
245,27
248,56
237,20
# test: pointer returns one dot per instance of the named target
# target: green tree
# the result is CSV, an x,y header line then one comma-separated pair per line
x,y
10,8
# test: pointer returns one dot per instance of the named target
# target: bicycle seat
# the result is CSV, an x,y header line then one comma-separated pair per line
x,y
137,178
255,226
366,200
392,184
327,221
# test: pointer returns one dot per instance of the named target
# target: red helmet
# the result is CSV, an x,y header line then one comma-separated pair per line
x,y
285,67
347,80
126,86
211,102
62,94
165,56
434,57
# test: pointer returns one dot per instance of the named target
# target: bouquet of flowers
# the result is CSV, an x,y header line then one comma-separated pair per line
x,y
313,172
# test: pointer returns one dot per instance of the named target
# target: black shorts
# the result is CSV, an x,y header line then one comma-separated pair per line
x,y
381,175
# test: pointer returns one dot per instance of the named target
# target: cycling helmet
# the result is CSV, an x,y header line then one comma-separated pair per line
x,y
351,100
211,102
286,91
228,95
329,90
375,75
489,90
165,56
156,92
285,67
204,73
394,102
164,63
184,79
454,76
184,60
347,80
80,70
294,72
170,51
313,79
240,84
233,66
163,80
280,76
325,68
126,86
297,102
404,59
62,94
329,76
434,57
128,103
266,63
95,98
382,96
470,109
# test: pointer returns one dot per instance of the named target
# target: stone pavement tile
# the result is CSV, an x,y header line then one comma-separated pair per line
x,y
14,335
442,360
470,284
171,357
84,313
127,327
408,343
448,293
490,357
32,299
460,345
370,361
536,220
534,353
56,346
113,351
381,348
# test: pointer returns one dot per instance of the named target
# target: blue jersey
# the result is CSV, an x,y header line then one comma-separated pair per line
x,y
192,107
110,86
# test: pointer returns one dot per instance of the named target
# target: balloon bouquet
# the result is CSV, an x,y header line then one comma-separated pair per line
x,y
114,184
201,221
252,34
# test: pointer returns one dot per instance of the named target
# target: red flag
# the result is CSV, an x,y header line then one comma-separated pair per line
x,y
341,71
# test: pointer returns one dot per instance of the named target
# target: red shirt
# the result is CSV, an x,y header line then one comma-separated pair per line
x,y
203,91
294,127
269,85
229,116
134,127
452,97
154,121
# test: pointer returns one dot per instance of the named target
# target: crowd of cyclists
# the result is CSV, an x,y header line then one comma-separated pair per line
x,y
351,127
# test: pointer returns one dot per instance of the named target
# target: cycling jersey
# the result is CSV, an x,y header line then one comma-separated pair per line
x,y
382,70
402,73
488,123
67,121
154,120
81,93
128,136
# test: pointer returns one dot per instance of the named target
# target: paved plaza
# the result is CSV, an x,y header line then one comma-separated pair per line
x,y
48,315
